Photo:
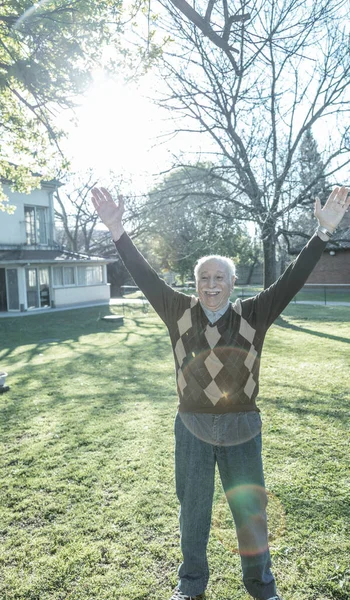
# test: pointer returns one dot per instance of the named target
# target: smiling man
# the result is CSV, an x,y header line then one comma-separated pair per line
x,y
217,347
215,280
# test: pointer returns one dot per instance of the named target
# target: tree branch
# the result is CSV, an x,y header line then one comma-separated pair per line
x,y
205,27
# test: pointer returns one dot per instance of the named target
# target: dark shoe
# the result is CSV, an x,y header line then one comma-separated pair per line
x,y
178,595
272,598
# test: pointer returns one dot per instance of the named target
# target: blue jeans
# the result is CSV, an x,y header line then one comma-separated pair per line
x,y
241,473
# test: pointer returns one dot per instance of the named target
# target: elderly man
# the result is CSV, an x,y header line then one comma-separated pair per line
x,y
217,347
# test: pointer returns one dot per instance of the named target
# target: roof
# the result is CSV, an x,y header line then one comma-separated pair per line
x,y
51,183
57,255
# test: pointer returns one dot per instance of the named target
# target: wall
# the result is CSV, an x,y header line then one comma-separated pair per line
x,y
332,269
80,295
12,227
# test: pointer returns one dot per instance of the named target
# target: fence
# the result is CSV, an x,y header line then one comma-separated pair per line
x,y
325,293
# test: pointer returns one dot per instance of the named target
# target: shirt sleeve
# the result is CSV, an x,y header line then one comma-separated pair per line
x,y
269,304
161,296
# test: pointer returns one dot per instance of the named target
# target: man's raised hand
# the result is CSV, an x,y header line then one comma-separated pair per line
x,y
333,211
109,212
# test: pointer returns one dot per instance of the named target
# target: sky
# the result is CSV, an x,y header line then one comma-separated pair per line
x,y
118,128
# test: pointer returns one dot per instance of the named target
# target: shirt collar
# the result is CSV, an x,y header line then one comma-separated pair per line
x,y
214,315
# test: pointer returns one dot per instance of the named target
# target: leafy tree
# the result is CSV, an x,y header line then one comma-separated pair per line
x,y
184,226
47,53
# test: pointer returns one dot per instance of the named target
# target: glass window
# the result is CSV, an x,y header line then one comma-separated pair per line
x,y
91,275
32,288
58,276
29,217
68,276
12,289
36,224
41,229
44,286
82,275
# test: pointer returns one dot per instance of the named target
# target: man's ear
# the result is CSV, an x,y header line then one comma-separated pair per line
x,y
233,281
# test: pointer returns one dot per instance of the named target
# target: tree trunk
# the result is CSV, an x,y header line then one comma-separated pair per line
x,y
269,247
251,270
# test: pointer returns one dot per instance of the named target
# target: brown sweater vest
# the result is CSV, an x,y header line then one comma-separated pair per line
x,y
217,366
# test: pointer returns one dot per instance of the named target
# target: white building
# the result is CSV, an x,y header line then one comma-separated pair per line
x,y
35,272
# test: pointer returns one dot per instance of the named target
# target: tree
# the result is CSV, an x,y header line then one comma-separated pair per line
x,y
76,220
291,74
47,53
299,223
312,168
182,226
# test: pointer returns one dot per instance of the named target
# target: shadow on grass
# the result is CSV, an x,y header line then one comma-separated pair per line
x,y
281,322
68,327
99,375
312,403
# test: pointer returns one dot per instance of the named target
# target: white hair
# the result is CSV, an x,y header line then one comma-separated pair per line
x,y
228,262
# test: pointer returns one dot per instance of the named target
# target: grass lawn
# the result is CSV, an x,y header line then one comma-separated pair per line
x,y
87,502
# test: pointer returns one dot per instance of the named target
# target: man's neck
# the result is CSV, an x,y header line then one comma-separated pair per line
x,y
214,315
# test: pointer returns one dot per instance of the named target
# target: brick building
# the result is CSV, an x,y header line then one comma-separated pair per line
x,y
334,265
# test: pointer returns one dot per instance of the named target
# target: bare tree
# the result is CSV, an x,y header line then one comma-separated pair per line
x,y
74,215
265,78
78,225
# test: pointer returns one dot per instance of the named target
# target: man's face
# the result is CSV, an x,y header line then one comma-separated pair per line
x,y
214,284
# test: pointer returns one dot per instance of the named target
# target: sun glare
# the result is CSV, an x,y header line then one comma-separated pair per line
x,y
116,129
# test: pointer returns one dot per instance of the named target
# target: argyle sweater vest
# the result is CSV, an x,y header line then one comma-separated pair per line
x,y
217,365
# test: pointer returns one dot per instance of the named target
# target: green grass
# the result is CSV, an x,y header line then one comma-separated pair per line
x,y
87,502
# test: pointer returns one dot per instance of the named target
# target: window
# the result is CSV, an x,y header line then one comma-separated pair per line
x,y
36,224
91,275
68,275
58,276
84,275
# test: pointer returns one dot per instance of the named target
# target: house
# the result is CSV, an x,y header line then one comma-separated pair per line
x,y
35,271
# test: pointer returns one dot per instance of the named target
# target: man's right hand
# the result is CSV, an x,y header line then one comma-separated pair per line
x,y
109,212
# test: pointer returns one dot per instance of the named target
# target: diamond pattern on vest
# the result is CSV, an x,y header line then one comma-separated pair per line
x,y
213,392
180,351
250,386
251,356
237,307
213,364
185,322
212,334
181,381
246,330
194,301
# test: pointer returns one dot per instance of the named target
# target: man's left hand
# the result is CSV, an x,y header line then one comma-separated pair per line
x,y
333,211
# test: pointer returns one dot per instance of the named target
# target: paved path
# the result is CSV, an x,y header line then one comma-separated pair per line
x,y
39,311
123,301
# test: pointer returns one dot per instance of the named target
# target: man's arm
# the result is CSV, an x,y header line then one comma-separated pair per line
x,y
269,304
161,296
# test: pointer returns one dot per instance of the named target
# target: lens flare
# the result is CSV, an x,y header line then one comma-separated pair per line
x,y
251,536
